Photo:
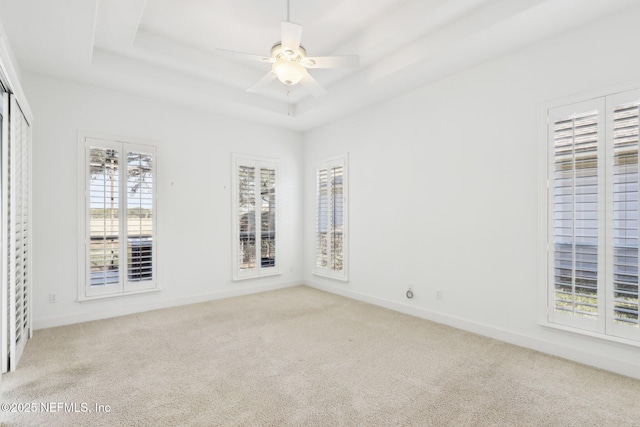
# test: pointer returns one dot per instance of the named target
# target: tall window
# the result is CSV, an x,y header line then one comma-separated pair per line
x,y
331,218
593,217
254,212
118,206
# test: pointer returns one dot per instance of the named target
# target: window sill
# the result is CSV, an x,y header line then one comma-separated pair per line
x,y
239,279
84,299
330,276
583,332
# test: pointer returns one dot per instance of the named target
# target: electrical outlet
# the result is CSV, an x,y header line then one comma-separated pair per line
x,y
53,298
438,294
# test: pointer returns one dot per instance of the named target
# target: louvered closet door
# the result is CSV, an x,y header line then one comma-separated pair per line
x,y
4,249
18,233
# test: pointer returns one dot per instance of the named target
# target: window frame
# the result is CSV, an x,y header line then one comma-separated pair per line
x,y
327,163
259,163
606,100
125,287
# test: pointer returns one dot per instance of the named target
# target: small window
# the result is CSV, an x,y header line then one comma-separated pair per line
x,y
119,211
331,218
255,242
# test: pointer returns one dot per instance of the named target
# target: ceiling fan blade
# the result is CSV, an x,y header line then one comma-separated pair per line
x,y
291,36
242,55
262,83
312,85
347,61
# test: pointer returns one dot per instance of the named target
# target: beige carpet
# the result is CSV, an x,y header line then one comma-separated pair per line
x,y
299,356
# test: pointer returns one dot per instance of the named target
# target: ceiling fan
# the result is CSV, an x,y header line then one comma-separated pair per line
x,y
290,61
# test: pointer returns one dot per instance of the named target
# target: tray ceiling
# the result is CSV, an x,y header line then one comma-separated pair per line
x,y
166,49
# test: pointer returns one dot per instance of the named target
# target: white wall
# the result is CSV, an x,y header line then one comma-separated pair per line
x,y
444,185
194,199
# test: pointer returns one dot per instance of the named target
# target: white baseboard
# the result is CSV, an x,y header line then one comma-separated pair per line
x,y
511,337
139,307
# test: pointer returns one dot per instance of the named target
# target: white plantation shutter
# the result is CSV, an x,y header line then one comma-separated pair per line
x,y
16,165
119,205
322,218
103,210
578,152
267,217
247,217
140,217
254,215
594,215
336,182
623,119
330,232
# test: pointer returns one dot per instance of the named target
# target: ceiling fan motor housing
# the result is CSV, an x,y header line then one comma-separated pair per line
x,y
279,53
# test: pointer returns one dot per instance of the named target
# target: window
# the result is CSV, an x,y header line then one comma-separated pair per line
x,y
593,216
331,218
118,208
255,242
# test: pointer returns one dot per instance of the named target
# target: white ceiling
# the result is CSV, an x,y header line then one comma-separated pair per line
x,y
167,48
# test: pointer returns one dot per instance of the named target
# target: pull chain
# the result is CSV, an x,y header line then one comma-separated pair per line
x,y
288,103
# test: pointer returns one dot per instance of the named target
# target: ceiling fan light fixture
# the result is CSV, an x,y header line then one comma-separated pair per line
x,y
288,72
290,62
